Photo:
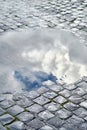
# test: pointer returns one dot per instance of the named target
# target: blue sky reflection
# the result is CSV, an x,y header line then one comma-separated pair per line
x,y
44,52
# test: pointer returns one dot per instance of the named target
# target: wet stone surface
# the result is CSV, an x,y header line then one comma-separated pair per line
x,y
70,14
46,112
58,107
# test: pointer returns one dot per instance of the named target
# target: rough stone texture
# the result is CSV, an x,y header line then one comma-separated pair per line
x,y
69,107
5,119
45,109
70,14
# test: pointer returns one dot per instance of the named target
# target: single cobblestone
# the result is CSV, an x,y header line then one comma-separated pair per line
x,y
5,119
60,99
63,113
35,108
56,121
15,110
18,125
36,123
25,117
46,115
41,100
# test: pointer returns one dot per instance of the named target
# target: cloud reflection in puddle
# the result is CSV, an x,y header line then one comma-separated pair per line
x,y
51,51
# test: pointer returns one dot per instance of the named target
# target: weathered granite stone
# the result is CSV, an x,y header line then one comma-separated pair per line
x,y
83,85
56,88
76,99
46,127
50,94
18,125
52,106
85,96
5,119
25,102
83,126
35,108
33,94
81,112
65,93
71,106
56,121
42,90
6,103
62,128
75,120
70,86
63,113
18,96
79,91
60,99
46,115
36,123
84,104
14,110
25,117
41,100
70,126
2,111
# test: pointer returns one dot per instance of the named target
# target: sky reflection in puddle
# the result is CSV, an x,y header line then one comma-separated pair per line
x,y
34,54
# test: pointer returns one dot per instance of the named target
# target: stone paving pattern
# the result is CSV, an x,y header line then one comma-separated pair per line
x,y
52,107
57,107
25,14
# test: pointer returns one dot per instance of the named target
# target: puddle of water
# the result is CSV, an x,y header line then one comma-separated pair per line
x,y
29,58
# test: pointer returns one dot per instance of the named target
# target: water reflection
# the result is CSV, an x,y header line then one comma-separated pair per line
x,y
29,58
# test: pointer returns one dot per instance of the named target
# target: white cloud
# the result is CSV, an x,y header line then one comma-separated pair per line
x,y
56,51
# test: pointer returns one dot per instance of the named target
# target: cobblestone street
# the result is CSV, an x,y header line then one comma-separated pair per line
x,y
25,14
56,107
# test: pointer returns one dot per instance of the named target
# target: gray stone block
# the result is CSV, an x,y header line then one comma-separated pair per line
x,y
63,113
36,123
56,121
35,108
46,127
52,106
84,104
14,110
56,88
6,119
81,112
25,117
45,115
60,99
50,94
71,106
6,104
18,125
2,111
25,102
33,94
41,100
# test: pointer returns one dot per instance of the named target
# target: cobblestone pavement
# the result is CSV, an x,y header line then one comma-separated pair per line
x,y
56,107
25,14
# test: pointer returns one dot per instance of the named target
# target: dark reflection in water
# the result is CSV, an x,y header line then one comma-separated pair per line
x,y
29,58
